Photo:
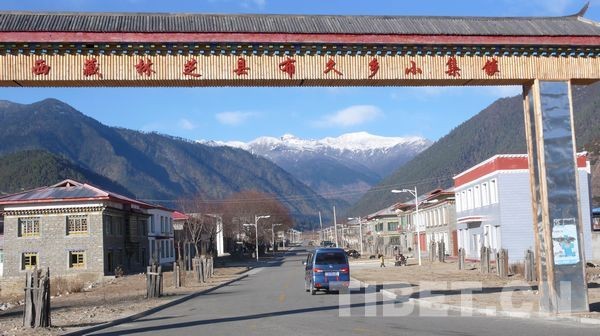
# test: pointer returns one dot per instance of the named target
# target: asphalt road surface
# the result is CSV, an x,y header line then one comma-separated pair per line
x,y
272,301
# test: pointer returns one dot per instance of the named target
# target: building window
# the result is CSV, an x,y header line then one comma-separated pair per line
x,y
379,227
392,226
77,224
493,192
394,240
477,196
29,227
162,224
463,200
108,228
485,195
470,198
77,259
29,260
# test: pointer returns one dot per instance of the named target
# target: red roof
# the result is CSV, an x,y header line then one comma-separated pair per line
x,y
502,162
179,216
69,191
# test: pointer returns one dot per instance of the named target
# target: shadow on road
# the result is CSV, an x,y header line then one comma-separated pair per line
x,y
170,327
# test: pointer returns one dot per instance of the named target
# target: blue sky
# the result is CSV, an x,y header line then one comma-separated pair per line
x,y
247,113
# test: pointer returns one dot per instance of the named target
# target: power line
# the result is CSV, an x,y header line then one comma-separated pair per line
x,y
292,198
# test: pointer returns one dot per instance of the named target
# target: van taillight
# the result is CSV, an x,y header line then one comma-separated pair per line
x,y
317,270
345,269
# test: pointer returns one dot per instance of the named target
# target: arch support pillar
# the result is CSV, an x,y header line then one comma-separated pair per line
x,y
557,216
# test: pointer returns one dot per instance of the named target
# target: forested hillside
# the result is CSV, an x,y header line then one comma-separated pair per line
x,y
498,129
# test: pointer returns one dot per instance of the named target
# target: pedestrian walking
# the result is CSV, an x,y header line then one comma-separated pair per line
x,y
382,259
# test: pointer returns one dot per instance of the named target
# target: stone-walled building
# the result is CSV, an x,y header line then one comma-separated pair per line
x,y
74,228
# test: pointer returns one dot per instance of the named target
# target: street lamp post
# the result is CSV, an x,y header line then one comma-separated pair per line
x,y
256,218
418,227
360,233
273,236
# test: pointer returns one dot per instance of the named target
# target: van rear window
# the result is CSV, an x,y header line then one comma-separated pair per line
x,y
331,258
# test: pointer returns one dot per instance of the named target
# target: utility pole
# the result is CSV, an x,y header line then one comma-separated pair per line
x,y
335,227
321,234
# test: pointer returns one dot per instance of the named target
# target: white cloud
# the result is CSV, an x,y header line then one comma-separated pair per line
x,y
233,118
259,4
350,116
545,7
186,124
437,92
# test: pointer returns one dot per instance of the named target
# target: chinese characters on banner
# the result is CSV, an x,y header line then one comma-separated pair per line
x,y
144,67
91,68
189,69
288,66
40,68
413,69
241,69
373,67
453,69
491,67
330,66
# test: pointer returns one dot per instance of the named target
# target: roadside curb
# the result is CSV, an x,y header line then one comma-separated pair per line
x,y
493,312
157,308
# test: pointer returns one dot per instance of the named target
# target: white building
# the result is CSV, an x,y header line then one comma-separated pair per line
x,y
161,236
493,206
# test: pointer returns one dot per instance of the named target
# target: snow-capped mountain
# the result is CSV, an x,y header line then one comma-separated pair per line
x,y
337,167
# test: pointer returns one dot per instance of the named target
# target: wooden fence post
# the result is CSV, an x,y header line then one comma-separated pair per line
x,y
441,251
461,258
485,260
36,313
530,271
176,275
502,263
154,281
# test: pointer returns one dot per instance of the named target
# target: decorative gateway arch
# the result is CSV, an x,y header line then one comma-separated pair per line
x,y
546,55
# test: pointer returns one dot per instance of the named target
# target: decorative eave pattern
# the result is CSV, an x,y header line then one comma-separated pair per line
x,y
53,211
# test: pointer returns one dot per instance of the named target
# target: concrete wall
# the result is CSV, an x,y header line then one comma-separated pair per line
x,y
53,245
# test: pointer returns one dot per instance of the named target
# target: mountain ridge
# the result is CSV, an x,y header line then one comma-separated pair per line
x,y
150,165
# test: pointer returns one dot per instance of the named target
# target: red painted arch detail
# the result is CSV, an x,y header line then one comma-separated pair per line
x,y
95,37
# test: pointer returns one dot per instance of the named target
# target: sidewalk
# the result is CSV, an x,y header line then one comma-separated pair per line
x,y
442,286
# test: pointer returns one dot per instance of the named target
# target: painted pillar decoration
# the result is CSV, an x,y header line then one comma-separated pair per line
x,y
556,204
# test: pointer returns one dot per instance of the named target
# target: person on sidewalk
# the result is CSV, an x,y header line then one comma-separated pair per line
x,y
382,259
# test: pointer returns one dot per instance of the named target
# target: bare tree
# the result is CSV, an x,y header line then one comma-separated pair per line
x,y
201,220
242,207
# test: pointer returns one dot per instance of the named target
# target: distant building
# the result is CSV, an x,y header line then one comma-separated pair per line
x,y
493,206
438,221
74,228
161,236
438,216
385,230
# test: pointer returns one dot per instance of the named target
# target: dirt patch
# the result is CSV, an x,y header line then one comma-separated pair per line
x,y
106,301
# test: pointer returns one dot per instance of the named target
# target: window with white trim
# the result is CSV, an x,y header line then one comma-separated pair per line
x,y
493,191
485,194
477,196
470,198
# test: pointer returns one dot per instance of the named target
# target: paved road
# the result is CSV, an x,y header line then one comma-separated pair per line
x,y
272,301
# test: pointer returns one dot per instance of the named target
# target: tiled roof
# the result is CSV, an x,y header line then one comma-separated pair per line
x,y
573,25
65,191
